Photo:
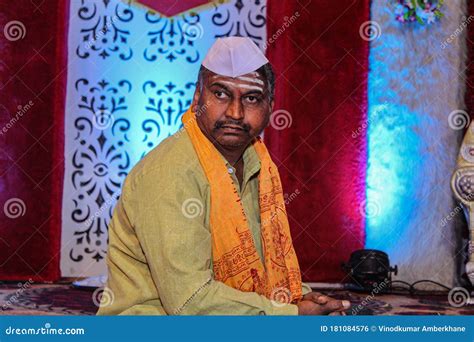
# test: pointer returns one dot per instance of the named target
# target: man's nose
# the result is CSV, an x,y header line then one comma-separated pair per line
x,y
235,110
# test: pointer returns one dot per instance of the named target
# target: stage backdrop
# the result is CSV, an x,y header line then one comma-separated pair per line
x,y
361,133
131,76
416,87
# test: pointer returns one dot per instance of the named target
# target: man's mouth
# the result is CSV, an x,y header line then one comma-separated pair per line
x,y
232,127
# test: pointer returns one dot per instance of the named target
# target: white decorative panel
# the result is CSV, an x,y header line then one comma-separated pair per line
x,y
131,76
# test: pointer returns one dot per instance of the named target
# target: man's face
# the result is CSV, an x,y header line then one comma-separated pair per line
x,y
232,111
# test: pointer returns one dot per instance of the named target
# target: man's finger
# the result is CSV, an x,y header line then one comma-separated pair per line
x,y
337,305
312,295
317,297
322,299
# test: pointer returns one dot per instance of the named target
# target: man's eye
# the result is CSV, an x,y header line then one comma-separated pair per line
x,y
220,94
252,99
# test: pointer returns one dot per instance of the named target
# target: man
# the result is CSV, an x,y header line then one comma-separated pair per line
x,y
201,225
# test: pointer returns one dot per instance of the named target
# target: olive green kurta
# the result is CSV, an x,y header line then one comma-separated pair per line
x,y
160,255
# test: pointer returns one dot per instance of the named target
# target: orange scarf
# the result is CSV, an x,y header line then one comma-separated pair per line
x,y
235,259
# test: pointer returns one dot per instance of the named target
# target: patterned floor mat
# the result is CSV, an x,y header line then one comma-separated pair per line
x,y
61,299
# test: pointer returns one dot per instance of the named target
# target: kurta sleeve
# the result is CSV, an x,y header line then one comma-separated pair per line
x,y
169,214
306,288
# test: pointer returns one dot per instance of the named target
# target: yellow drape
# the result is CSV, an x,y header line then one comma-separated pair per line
x,y
235,259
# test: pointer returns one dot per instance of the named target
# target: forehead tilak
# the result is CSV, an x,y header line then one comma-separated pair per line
x,y
248,81
242,85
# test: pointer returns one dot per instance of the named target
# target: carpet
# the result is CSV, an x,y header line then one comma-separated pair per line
x,y
64,299
46,299
435,303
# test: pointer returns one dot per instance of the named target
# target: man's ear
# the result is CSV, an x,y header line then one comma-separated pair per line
x,y
272,104
196,96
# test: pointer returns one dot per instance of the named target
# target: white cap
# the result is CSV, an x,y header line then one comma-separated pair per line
x,y
234,56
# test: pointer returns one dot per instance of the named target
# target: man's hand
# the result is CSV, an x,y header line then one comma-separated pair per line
x,y
315,303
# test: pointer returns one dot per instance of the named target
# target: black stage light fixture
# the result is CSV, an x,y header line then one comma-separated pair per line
x,y
368,268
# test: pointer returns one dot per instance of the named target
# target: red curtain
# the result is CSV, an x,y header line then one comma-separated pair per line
x,y
321,64
33,81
